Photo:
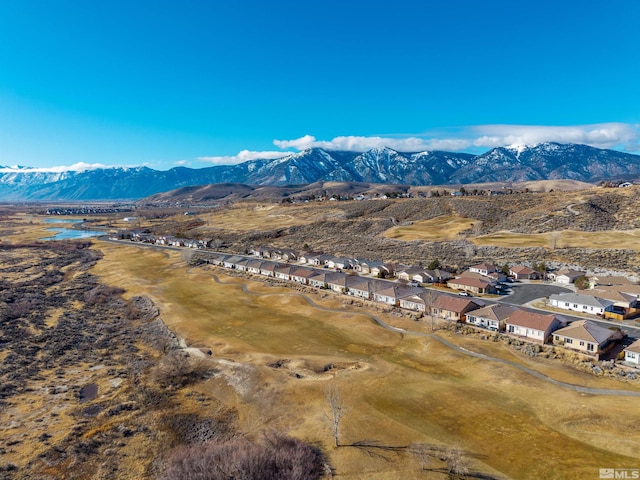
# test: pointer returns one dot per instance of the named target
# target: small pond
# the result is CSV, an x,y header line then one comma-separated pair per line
x,y
71,234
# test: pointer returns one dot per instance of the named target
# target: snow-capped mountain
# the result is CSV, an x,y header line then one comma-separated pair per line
x,y
380,165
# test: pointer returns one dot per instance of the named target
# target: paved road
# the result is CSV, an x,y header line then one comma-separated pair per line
x,y
527,292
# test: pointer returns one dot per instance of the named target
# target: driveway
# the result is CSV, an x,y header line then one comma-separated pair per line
x,y
526,292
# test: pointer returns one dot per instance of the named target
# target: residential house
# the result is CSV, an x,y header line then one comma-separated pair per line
x,y
391,294
319,279
230,262
337,282
484,268
454,309
340,263
566,275
472,282
433,276
492,317
301,275
586,336
522,272
383,270
626,300
497,277
533,327
242,264
309,258
581,303
268,269
420,301
608,280
632,353
407,273
365,266
253,266
283,272
359,286
217,259
414,302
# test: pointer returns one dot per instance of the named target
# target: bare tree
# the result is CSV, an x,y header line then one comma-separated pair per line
x,y
457,462
430,297
337,411
554,238
423,453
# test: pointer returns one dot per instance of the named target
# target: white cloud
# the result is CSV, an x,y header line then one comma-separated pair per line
x,y
355,143
242,156
621,136
602,135
76,167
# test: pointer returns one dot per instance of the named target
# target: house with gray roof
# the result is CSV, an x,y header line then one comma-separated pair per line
x,y
581,303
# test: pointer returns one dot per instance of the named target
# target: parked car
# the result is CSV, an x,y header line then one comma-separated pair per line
x,y
464,294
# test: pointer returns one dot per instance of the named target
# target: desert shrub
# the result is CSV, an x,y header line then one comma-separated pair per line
x,y
177,368
275,458
103,294
191,428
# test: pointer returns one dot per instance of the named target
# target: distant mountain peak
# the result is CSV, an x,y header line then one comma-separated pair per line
x,y
513,163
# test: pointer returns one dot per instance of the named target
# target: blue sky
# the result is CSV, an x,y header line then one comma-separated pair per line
x,y
199,83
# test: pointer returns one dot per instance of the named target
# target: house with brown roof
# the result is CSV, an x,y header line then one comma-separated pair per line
x,y
533,327
453,308
268,268
587,337
283,272
253,266
625,298
301,275
472,282
608,280
242,264
632,353
522,272
492,317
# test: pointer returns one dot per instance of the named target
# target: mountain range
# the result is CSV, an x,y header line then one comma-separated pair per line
x,y
544,161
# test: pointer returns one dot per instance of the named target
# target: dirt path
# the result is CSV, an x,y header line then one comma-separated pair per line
x,y
464,351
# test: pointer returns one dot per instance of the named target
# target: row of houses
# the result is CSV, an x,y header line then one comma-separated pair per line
x,y
583,336
165,240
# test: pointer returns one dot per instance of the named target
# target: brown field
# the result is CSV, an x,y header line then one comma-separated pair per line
x,y
401,389
439,229
615,239
249,216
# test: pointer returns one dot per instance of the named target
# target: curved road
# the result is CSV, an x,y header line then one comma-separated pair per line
x,y
402,331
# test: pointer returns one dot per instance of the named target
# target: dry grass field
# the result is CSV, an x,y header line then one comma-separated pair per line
x,y
627,239
439,229
400,389
250,216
